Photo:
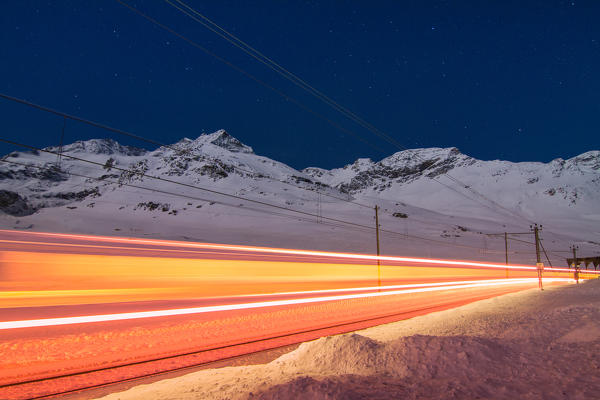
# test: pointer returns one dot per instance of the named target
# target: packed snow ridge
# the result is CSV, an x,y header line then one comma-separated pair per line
x,y
433,192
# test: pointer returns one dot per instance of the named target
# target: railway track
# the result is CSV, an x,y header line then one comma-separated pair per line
x,y
88,380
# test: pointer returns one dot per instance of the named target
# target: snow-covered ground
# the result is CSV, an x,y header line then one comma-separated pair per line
x,y
526,345
433,202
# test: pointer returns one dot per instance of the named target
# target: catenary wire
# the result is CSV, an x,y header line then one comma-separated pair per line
x,y
147,140
234,40
174,148
520,217
257,55
174,194
248,75
302,213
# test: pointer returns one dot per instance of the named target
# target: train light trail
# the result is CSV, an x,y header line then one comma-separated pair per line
x,y
214,246
81,300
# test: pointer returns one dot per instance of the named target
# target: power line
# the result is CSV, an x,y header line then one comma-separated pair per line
x,y
158,143
519,240
319,94
303,213
66,116
158,178
161,144
257,55
155,142
154,190
247,74
79,119
237,42
546,254
287,97
464,195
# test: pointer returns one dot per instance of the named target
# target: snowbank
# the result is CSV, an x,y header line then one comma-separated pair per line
x,y
525,345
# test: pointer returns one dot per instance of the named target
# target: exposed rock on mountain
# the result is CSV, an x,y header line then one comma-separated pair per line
x,y
401,168
99,146
12,203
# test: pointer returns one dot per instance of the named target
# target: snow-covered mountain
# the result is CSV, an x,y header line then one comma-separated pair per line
x,y
534,190
441,195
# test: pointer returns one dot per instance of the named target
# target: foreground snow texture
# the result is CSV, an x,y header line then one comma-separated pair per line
x,y
527,345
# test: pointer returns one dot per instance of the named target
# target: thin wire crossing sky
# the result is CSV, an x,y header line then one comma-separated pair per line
x,y
499,80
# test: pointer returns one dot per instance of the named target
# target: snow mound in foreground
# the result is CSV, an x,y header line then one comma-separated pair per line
x,y
345,354
440,367
419,356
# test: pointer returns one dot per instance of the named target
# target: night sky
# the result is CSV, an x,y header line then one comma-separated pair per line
x,y
514,80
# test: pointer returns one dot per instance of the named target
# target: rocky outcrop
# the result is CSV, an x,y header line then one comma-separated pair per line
x,y
14,204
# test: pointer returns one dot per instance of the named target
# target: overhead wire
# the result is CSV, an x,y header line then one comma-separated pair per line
x,y
145,139
248,75
546,254
171,147
154,21
228,195
155,190
259,56
158,178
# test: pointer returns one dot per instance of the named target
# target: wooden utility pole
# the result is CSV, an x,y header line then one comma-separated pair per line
x,y
575,264
539,264
505,234
377,238
506,251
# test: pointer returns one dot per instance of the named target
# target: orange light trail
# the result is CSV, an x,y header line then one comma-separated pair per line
x,y
294,251
71,302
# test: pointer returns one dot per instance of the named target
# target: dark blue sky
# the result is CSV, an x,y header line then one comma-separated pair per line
x,y
515,80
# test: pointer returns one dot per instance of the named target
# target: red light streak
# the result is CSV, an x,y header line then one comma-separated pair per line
x,y
415,285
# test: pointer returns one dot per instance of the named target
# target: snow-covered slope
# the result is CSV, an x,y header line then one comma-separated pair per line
x,y
440,195
562,193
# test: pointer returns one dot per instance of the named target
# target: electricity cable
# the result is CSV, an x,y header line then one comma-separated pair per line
x,y
248,75
143,139
237,42
257,55
300,212
154,21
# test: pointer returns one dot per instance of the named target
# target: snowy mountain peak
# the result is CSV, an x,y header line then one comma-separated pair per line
x,y
99,146
413,157
588,160
219,138
402,167
360,164
223,139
